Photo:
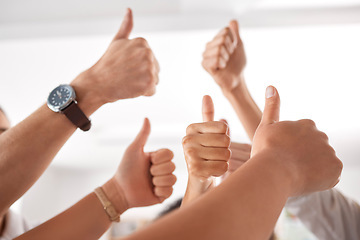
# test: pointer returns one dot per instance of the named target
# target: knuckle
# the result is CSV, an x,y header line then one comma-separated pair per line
x,y
159,191
195,167
190,152
217,61
147,54
168,154
147,63
203,64
172,167
140,41
150,91
227,30
308,122
340,164
224,167
223,48
323,135
172,179
148,77
228,40
333,150
219,50
227,153
152,170
222,127
187,140
227,140
191,128
155,180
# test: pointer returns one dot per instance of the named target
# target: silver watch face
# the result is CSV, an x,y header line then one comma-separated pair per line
x,y
61,97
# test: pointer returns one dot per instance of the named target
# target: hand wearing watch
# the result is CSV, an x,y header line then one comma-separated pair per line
x,y
63,99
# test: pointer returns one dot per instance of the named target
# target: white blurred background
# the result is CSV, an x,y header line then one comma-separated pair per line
x,y
308,49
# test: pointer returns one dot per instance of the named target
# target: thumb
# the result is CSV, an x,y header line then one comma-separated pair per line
x,y
234,27
272,106
228,130
207,109
143,135
126,26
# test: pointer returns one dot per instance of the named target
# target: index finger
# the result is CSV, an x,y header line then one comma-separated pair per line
x,y
207,127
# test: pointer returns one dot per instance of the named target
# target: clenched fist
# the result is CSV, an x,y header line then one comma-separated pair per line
x,y
224,57
206,150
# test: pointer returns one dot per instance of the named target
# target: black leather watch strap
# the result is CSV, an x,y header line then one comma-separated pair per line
x,y
77,117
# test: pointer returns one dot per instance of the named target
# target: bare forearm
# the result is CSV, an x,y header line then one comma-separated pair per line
x,y
245,107
85,220
233,210
27,149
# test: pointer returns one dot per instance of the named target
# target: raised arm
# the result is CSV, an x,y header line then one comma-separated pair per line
x,y
128,69
288,159
224,59
142,179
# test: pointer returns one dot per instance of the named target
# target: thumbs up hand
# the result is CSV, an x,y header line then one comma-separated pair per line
x,y
127,69
143,178
224,57
297,148
206,150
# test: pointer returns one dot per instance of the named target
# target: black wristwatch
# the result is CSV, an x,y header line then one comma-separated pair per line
x,y
63,99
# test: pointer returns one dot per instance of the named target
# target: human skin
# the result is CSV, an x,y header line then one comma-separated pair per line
x,y
202,165
203,162
240,153
201,171
225,60
127,69
230,75
142,179
239,96
288,159
4,125
4,122
235,209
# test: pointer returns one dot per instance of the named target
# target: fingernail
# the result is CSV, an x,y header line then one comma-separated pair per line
x,y
270,92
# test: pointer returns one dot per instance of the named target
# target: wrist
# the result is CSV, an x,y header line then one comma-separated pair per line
x,y
237,88
196,187
88,99
116,195
200,184
276,170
